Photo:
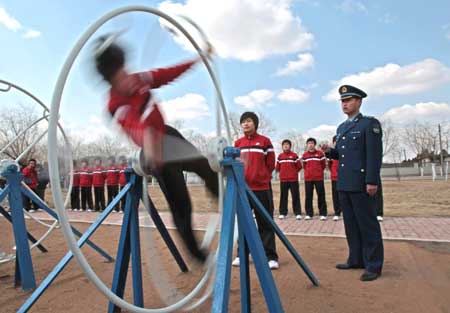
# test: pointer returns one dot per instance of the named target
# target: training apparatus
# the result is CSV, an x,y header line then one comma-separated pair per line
x,y
236,204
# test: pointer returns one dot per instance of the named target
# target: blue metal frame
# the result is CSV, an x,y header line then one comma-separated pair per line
x,y
237,204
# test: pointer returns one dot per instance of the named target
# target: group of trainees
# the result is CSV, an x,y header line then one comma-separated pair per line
x,y
88,189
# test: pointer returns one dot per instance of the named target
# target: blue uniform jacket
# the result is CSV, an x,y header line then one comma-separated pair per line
x,y
359,150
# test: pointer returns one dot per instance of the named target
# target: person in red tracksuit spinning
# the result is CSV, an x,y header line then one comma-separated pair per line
x,y
288,165
258,157
314,163
75,193
333,166
112,181
86,186
166,154
31,180
98,181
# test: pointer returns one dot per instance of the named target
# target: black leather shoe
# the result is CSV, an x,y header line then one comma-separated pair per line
x,y
346,266
369,276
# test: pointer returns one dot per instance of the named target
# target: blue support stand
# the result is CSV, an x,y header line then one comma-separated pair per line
x,y
129,243
237,204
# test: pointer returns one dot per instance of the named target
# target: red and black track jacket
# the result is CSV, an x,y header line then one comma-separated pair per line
x,y
98,176
314,164
259,160
85,177
288,165
76,177
122,177
334,165
112,175
137,111
30,177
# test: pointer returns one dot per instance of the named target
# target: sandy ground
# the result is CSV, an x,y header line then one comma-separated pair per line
x,y
416,278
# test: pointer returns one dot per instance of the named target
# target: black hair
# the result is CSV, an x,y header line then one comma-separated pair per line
x,y
111,158
109,61
334,138
98,159
286,141
32,160
252,116
311,139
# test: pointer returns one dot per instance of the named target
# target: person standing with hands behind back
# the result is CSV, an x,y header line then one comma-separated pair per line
x,y
359,151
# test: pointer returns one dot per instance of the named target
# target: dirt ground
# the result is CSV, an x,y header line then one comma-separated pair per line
x,y
416,277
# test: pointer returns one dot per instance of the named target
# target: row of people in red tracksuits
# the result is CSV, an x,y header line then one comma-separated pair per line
x,y
87,179
313,162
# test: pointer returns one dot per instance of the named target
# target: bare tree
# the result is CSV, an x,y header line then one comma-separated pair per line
x,y
391,138
421,137
297,139
15,120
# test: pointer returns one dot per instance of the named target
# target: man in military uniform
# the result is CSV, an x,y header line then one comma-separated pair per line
x,y
359,151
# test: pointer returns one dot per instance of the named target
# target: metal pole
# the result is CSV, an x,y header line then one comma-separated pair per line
x,y
442,155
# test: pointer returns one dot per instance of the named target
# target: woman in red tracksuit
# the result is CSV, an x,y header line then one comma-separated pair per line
x,y
31,180
86,187
258,157
132,106
112,181
75,193
98,181
288,165
314,163
333,166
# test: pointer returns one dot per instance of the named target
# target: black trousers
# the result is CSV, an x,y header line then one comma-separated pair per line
x,y
309,190
27,203
75,198
362,230
173,185
295,194
41,193
379,202
99,193
122,201
113,191
335,195
86,198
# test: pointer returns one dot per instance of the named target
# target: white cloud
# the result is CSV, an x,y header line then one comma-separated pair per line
x,y
246,30
322,132
352,6
393,79
188,107
8,21
303,62
293,95
423,111
387,18
31,33
255,98
14,25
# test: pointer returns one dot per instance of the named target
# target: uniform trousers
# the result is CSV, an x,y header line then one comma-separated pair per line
x,y
309,191
113,191
86,198
285,187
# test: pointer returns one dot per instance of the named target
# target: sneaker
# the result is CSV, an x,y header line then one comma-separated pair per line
x,y
32,211
281,216
336,218
89,210
307,217
121,212
236,262
323,218
298,217
273,265
379,218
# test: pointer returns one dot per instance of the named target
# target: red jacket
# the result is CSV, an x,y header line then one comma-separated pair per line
x,y
334,165
76,177
98,176
122,177
259,160
112,175
137,112
85,177
288,165
30,177
313,165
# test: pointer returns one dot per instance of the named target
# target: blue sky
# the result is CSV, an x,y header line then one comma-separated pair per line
x,y
283,58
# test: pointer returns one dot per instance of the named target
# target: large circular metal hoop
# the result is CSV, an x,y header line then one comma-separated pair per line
x,y
52,151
